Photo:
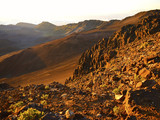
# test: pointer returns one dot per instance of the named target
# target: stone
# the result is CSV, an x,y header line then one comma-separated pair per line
x,y
103,95
146,83
61,113
107,65
151,61
119,97
139,84
69,114
99,115
94,94
131,82
145,73
145,61
64,95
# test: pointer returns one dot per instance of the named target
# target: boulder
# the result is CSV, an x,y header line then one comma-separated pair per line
x,y
145,73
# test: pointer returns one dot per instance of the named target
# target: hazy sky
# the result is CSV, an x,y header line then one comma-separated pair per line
x,y
66,11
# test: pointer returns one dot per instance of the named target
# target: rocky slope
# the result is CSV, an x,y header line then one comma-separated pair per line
x,y
126,67
127,88
118,78
46,58
107,48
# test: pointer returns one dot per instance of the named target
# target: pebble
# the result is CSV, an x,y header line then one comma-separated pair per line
x,y
69,114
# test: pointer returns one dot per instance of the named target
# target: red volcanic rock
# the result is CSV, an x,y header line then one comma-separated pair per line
x,y
145,73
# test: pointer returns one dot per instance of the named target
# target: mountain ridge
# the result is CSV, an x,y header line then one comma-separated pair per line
x,y
123,36
53,52
117,78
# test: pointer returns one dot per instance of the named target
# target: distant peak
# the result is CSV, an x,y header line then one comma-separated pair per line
x,y
46,23
23,24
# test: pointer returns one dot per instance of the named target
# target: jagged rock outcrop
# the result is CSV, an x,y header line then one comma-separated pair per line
x,y
107,48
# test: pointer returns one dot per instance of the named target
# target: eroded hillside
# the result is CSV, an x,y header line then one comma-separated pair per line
x,y
118,78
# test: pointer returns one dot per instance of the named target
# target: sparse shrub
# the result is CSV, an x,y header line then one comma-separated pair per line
x,y
88,89
103,86
47,87
9,98
116,110
116,91
30,92
31,114
24,95
21,89
16,105
43,102
44,96
113,82
30,99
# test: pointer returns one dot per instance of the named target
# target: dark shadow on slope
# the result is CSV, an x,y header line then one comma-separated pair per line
x,y
146,98
20,64
5,86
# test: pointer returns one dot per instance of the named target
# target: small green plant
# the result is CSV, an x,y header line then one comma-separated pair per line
x,y
44,96
47,87
43,102
30,92
116,91
9,98
24,95
16,105
103,86
116,110
31,114
21,89
88,89
30,99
